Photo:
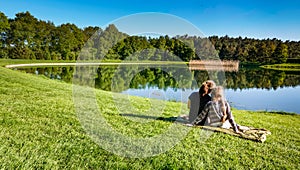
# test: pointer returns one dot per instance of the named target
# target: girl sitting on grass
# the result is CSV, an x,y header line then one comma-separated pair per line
x,y
197,100
216,111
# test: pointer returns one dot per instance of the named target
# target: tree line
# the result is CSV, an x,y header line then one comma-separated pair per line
x,y
26,37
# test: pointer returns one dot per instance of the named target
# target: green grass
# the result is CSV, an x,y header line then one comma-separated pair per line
x,y
283,67
41,130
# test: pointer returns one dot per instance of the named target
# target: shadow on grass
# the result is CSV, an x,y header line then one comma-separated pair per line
x,y
250,133
278,112
166,119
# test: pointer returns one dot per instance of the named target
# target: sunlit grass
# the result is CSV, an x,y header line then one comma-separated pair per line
x,y
41,130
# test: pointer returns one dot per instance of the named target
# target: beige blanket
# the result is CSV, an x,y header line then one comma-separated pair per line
x,y
251,133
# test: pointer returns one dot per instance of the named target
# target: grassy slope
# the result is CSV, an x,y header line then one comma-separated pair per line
x,y
40,129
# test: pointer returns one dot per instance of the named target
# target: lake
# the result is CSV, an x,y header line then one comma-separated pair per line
x,y
246,89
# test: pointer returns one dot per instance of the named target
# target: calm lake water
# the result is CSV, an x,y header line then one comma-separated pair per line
x,y
283,99
247,89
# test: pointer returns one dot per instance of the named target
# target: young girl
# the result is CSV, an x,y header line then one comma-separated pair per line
x,y
197,100
216,111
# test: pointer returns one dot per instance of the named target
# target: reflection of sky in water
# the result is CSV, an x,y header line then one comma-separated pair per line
x,y
282,99
154,92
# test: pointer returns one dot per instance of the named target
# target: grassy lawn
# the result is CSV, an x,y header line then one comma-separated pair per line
x,y
40,129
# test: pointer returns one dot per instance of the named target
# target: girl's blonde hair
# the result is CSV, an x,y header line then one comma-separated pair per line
x,y
217,94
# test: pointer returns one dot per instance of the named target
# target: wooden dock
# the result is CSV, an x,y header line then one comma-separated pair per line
x,y
225,65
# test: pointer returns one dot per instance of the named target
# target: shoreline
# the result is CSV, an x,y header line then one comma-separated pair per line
x,y
192,65
84,64
11,63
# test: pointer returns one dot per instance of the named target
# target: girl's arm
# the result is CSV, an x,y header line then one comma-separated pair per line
x,y
202,115
230,118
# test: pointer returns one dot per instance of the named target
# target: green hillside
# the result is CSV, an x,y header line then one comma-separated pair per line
x,y
41,130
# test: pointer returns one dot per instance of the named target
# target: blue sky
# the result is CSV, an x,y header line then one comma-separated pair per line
x,y
247,18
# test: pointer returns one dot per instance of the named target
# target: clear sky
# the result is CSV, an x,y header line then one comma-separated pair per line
x,y
247,18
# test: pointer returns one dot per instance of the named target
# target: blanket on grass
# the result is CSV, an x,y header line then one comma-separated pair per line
x,y
251,133
247,132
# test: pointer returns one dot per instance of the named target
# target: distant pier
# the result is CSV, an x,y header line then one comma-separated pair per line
x,y
226,65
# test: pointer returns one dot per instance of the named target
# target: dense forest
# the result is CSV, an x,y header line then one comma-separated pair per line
x,y
26,37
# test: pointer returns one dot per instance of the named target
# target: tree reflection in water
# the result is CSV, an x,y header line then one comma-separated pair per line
x,y
156,77
164,82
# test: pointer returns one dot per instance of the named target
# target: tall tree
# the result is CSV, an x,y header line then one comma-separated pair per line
x,y
281,53
107,39
70,40
21,35
4,28
90,32
43,40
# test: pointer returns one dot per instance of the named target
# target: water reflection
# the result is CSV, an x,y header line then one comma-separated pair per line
x,y
282,99
140,77
253,89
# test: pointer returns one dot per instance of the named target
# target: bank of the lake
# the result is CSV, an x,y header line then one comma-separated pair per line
x,y
4,62
283,67
21,62
41,130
